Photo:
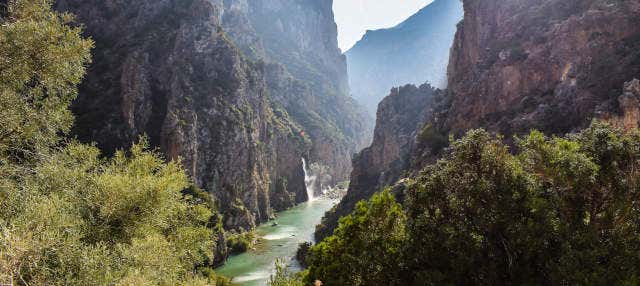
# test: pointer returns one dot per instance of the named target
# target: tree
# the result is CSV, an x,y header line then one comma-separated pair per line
x,y
90,221
560,211
365,248
564,211
43,58
477,217
282,277
592,180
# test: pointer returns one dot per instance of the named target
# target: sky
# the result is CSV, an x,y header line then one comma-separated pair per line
x,y
355,17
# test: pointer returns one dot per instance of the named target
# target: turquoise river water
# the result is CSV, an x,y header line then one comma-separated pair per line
x,y
295,225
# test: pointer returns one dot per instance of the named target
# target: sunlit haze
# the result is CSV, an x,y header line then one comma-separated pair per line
x,y
355,17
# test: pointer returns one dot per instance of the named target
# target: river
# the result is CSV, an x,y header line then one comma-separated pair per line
x,y
295,226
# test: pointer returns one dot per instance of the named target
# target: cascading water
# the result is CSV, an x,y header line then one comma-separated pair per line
x,y
309,181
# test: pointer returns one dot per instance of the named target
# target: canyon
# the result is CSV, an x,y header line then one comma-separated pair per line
x,y
207,82
242,90
219,142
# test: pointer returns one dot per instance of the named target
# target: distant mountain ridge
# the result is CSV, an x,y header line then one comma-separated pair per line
x,y
415,51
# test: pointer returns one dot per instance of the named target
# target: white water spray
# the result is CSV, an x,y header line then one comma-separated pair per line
x,y
309,181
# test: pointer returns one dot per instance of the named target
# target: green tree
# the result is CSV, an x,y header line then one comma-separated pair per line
x,y
282,277
365,248
561,211
91,221
477,217
564,211
43,58
592,180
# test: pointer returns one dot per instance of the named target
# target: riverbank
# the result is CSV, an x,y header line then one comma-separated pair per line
x,y
294,226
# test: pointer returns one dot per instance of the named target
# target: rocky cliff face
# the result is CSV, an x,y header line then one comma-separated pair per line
x,y
400,117
179,72
546,64
306,74
625,112
552,65
415,51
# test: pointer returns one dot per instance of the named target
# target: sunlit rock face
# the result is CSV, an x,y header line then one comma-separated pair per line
x,y
627,113
413,52
203,84
545,64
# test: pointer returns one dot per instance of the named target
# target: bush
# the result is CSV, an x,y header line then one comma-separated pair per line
x,y
283,277
562,211
430,137
69,216
241,242
303,253
81,220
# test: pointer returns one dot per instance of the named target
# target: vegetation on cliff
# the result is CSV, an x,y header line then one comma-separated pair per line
x,y
69,216
560,211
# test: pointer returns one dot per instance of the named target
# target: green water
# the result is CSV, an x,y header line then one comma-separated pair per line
x,y
294,226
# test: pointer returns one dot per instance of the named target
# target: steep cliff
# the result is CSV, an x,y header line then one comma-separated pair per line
x,y
240,90
400,116
168,70
415,51
306,73
546,64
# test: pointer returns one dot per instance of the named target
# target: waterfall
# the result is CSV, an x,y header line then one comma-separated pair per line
x,y
309,180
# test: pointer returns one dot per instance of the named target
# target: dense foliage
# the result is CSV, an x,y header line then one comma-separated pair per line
x,y
561,211
43,60
366,246
238,242
81,220
69,216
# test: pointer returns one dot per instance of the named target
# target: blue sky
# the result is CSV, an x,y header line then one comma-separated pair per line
x,y
355,17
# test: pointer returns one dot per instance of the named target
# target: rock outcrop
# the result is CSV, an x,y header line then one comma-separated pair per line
x,y
544,64
413,52
203,84
627,111
400,118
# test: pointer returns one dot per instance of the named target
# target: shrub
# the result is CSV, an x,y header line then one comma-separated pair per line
x,y
241,242
283,277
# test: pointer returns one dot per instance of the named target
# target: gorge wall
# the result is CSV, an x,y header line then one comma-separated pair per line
x,y
199,80
399,119
551,65
545,64
307,75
